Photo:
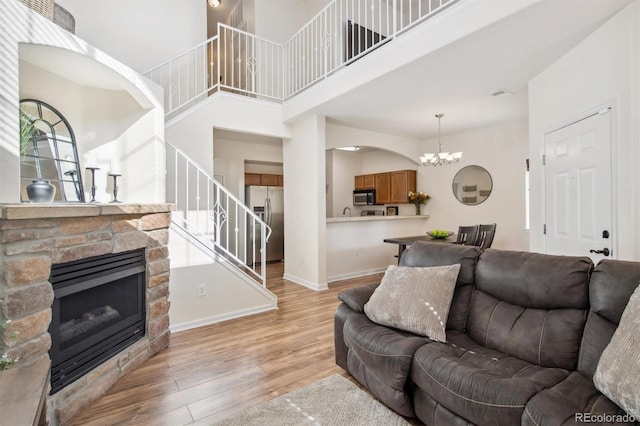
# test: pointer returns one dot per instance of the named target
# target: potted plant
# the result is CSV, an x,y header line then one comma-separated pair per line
x,y
39,190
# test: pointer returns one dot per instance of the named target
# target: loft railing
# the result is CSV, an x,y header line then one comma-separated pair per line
x,y
210,213
188,77
346,30
240,62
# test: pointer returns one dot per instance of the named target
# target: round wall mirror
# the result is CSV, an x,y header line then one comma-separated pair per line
x,y
472,185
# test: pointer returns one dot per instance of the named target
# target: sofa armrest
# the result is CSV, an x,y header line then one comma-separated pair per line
x,y
355,298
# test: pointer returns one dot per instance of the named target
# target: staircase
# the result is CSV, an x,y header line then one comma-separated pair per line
x,y
235,61
212,218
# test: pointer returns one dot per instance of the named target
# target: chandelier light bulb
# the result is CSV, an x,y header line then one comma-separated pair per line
x,y
441,157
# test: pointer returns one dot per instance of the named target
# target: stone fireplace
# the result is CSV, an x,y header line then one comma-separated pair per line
x,y
35,238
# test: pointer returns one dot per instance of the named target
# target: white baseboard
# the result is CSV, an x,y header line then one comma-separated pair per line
x,y
357,274
306,283
174,328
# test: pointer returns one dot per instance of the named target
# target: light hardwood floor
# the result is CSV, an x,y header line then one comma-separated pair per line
x,y
212,372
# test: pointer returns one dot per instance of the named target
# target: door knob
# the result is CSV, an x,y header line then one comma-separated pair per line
x,y
605,251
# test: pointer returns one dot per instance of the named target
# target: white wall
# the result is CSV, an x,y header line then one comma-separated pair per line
x,y
338,136
601,70
357,248
345,165
193,131
228,296
140,127
304,204
278,20
112,127
141,33
502,151
230,157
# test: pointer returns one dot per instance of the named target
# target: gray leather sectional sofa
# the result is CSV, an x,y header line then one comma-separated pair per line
x,y
524,335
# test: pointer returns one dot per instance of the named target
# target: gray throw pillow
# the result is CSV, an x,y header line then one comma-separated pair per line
x,y
414,299
618,373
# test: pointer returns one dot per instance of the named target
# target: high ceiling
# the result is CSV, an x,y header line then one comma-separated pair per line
x,y
458,80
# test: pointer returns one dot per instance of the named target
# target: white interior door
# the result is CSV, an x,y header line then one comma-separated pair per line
x,y
578,202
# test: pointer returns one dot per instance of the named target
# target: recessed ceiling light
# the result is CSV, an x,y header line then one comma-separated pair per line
x,y
214,3
349,148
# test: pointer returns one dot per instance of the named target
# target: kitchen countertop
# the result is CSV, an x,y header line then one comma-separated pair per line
x,y
372,218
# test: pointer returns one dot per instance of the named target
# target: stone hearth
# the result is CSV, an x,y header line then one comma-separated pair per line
x,y
34,237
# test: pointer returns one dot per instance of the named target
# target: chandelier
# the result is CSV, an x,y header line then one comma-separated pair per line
x,y
214,3
441,157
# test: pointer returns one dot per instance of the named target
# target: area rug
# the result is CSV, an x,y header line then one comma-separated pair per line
x,y
328,402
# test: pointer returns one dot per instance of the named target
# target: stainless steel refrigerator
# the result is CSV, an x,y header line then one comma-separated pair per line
x,y
268,203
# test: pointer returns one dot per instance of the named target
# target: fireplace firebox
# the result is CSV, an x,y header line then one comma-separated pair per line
x,y
98,310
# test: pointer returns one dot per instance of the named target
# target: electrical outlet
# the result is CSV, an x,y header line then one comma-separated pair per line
x,y
202,290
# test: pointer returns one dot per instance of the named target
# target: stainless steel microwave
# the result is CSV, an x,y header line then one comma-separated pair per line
x,y
364,197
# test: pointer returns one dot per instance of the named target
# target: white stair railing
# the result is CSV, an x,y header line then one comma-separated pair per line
x,y
214,216
240,62
188,77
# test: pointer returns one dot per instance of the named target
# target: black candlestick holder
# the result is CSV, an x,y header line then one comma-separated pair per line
x,y
115,187
93,183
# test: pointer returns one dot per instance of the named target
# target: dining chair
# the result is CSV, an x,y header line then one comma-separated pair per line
x,y
467,235
485,235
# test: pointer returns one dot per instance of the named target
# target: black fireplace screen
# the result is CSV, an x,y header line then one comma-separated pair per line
x,y
98,310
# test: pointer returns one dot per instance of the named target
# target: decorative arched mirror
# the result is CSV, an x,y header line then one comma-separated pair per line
x,y
472,185
49,157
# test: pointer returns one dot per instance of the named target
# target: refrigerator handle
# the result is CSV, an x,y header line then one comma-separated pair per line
x,y
268,205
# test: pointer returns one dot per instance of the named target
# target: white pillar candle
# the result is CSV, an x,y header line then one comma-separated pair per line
x,y
90,159
114,166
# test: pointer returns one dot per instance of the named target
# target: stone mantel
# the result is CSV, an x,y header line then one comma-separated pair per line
x,y
33,237
46,211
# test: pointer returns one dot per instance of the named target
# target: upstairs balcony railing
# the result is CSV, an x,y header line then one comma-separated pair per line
x,y
240,62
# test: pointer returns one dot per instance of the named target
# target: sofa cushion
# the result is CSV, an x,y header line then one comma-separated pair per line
x,y
386,351
531,306
482,385
432,413
569,403
534,280
549,338
355,298
343,313
618,373
424,253
611,286
380,359
414,299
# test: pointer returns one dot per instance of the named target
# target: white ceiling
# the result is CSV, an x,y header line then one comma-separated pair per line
x,y
458,80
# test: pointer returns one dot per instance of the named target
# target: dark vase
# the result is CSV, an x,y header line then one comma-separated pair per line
x,y
41,191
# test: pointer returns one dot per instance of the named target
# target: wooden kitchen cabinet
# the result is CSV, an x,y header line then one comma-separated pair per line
x,y
263,179
401,182
383,188
269,180
365,182
391,187
252,179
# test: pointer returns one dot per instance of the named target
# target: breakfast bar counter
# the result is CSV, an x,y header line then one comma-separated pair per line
x,y
371,218
355,244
